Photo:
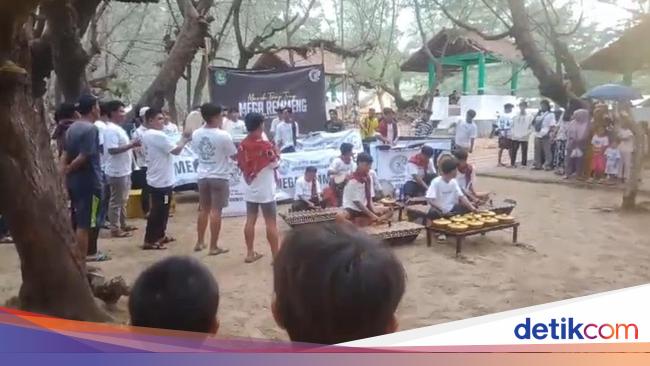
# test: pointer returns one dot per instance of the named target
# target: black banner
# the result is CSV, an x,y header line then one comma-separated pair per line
x,y
301,88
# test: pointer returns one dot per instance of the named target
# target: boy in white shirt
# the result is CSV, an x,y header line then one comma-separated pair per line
x,y
286,132
215,149
341,169
466,132
258,159
358,208
307,191
170,128
233,125
420,172
445,196
159,153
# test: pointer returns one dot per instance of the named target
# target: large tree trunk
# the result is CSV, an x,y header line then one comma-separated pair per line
x,y
32,198
632,186
194,29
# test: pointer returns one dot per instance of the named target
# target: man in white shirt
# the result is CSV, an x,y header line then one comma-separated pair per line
x,y
543,124
215,151
286,132
307,191
258,160
358,207
159,152
275,122
420,171
139,175
521,128
504,124
445,196
170,128
233,125
466,132
341,170
118,168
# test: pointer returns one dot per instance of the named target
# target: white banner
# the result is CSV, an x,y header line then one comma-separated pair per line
x,y
327,140
292,166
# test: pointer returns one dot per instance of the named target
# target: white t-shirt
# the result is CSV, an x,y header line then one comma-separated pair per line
x,y
160,163
101,126
274,125
548,121
414,169
521,126
354,191
284,134
465,132
613,165
303,189
600,142
214,147
139,152
170,129
462,180
445,194
339,167
262,188
117,165
376,185
234,128
627,140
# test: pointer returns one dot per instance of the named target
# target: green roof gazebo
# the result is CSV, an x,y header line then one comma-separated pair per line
x,y
458,50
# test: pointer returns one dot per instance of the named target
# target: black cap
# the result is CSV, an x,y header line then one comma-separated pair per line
x,y
86,102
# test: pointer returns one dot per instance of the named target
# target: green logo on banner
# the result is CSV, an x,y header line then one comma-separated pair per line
x,y
220,77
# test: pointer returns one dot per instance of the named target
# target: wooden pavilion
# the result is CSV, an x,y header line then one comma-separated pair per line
x,y
458,50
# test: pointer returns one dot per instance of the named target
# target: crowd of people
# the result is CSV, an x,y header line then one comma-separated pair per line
x,y
594,144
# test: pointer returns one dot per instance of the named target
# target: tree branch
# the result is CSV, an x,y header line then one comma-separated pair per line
x,y
461,24
302,21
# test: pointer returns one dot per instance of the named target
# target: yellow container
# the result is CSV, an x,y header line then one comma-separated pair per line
x,y
133,206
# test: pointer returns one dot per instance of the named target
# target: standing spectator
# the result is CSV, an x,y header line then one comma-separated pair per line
x,y
388,131
275,122
466,132
334,124
286,132
504,125
139,175
369,126
599,144
215,149
424,125
64,117
258,160
614,161
233,124
626,149
576,145
543,123
559,145
80,164
521,128
170,128
119,165
160,178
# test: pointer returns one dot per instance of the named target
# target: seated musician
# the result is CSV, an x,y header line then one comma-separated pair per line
x,y
339,172
357,197
421,172
445,197
467,179
307,191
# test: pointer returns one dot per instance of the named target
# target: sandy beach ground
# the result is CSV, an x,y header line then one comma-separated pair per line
x,y
578,250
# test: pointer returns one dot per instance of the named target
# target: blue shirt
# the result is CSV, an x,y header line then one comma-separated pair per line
x,y
83,138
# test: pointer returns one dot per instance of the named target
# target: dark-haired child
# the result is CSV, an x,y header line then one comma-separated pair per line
x,y
340,171
307,191
258,159
445,196
358,208
177,293
421,171
467,178
335,284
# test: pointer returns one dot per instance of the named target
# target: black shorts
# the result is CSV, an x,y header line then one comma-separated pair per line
x,y
269,209
505,143
86,207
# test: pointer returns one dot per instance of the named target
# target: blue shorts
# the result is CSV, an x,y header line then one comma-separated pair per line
x,y
86,208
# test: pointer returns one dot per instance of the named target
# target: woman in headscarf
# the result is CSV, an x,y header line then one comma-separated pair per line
x,y
576,146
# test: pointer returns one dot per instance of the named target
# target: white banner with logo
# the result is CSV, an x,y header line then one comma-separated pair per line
x,y
327,140
292,166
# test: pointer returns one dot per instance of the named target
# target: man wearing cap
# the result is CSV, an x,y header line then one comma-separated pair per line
x,y
286,133
80,164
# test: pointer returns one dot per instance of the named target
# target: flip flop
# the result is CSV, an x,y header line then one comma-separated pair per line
x,y
255,258
98,257
121,234
154,246
218,251
167,240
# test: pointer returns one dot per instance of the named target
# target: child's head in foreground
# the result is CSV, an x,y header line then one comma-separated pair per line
x,y
336,284
449,168
177,293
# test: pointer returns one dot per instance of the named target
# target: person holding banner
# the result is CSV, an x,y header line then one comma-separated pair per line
x,y
307,191
214,148
286,132
358,208
421,172
258,160
159,153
